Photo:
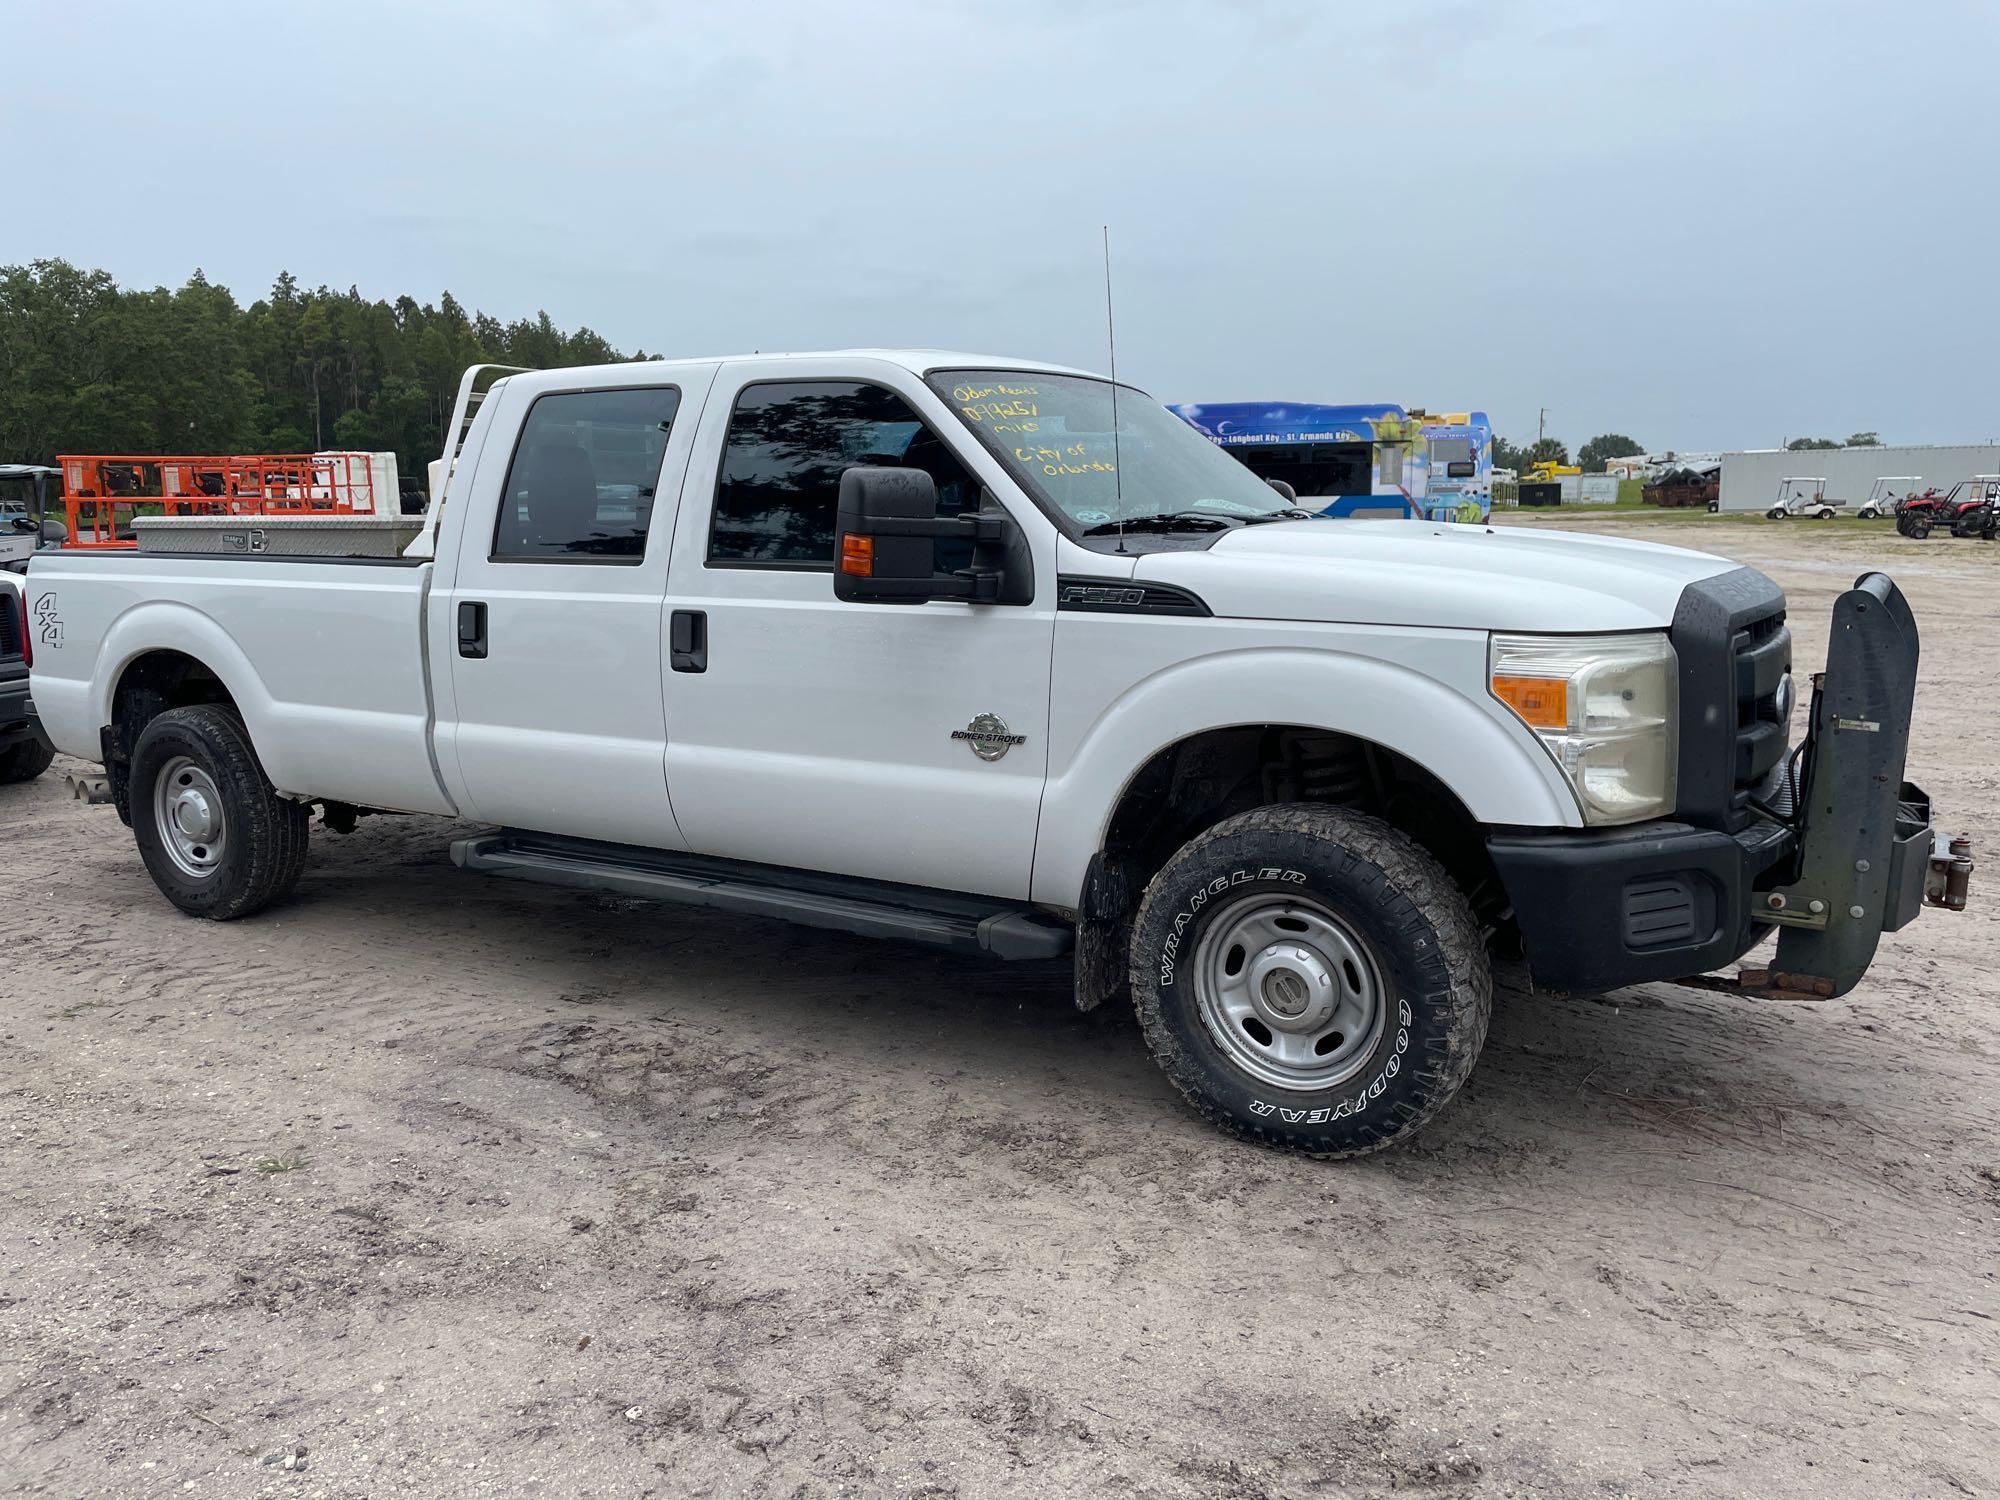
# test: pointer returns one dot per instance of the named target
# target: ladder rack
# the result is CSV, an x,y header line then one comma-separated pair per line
x,y
473,388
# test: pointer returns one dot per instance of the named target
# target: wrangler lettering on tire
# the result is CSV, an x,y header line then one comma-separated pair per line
x,y
1309,976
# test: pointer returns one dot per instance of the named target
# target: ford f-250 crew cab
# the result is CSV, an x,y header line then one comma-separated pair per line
x,y
1003,657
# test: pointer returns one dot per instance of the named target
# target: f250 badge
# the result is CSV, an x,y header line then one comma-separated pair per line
x,y
988,736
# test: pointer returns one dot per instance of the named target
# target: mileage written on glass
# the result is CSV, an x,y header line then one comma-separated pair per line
x,y
1013,410
1000,407
1053,434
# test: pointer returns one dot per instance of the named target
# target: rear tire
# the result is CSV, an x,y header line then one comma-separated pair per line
x,y
217,839
1311,978
1825,514
25,761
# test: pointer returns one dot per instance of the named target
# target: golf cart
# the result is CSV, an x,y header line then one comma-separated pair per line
x,y
1803,497
1888,491
27,495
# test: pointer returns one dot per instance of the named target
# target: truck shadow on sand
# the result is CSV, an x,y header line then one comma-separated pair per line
x,y
726,1022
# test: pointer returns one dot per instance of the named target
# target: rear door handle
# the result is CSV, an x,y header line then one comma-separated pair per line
x,y
687,640
472,629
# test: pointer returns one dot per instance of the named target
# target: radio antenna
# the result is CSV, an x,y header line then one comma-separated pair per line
x,y
1111,339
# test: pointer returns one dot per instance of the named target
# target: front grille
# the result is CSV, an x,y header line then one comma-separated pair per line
x,y
1735,652
10,624
1763,655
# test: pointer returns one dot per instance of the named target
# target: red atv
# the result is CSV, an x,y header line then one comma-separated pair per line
x,y
1969,508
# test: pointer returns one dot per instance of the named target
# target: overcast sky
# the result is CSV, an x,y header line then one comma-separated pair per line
x,y
1702,224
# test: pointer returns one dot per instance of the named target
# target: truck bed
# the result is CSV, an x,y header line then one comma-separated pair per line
x,y
325,657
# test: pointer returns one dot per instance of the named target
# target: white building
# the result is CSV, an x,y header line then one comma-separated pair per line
x,y
1750,480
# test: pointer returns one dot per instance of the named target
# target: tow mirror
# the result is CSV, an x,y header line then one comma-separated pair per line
x,y
884,544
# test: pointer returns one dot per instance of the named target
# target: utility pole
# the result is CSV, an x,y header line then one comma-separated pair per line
x,y
1542,425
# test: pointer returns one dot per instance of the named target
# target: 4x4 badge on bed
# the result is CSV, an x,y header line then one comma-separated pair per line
x,y
988,736
48,623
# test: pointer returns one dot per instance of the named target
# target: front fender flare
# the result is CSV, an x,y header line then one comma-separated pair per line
x,y
1491,763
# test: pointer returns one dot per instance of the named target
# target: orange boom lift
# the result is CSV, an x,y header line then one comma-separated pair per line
x,y
102,492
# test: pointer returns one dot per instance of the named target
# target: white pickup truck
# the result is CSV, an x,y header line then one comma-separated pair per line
x,y
1003,657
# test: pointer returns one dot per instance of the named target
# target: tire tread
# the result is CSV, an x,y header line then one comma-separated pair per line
x,y
1420,885
25,761
273,832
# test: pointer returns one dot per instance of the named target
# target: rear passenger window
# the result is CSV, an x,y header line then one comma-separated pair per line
x,y
581,483
790,441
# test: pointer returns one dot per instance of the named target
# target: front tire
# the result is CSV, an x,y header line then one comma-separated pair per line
x,y
1775,513
217,839
1311,978
25,761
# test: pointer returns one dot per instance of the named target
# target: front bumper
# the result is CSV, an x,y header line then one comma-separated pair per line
x,y
1627,905
1848,855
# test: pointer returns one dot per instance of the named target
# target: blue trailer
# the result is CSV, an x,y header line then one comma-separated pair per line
x,y
1340,460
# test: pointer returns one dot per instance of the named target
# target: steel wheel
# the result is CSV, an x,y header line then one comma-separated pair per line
x,y
187,810
1290,992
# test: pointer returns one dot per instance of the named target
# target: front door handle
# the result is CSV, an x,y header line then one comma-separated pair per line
x,y
472,629
687,640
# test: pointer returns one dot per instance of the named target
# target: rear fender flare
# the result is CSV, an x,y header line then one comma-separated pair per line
x,y
168,625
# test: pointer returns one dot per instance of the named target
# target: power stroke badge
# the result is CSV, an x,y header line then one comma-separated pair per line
x,y
987,735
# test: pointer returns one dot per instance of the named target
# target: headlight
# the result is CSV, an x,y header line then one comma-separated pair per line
x,y
1605,705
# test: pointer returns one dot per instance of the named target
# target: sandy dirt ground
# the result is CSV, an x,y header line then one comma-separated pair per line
x,y
475,1188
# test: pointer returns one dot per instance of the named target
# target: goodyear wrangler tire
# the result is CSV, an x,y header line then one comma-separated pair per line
x,y
1311,978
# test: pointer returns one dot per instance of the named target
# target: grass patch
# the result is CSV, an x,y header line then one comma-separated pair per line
x,y
293,1161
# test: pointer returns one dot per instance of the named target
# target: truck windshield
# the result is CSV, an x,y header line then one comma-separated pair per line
x,y
1054,434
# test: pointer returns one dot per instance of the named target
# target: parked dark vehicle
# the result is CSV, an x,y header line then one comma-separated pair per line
x,y
1970,508
1684,488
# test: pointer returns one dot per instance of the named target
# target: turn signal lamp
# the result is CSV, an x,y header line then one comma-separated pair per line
x,y
1605,707
857,555
1542,702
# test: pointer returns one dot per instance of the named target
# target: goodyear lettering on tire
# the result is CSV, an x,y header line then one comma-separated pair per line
x,y
1347,1108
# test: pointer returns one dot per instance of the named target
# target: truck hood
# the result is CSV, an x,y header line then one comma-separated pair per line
x,y
1425,573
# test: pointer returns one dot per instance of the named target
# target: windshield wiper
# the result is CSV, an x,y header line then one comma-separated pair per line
x,y
1289,513
1166,520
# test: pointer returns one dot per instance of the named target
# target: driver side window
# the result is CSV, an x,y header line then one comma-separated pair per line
x,y
788,444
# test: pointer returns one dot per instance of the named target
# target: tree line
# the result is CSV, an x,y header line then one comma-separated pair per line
x,y
1591,457
87,366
